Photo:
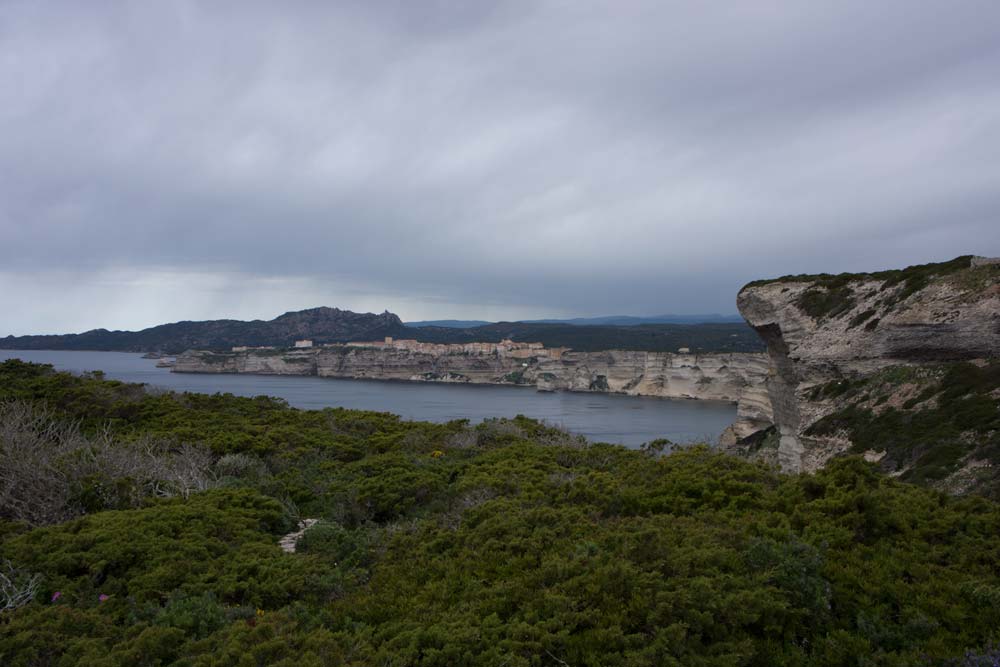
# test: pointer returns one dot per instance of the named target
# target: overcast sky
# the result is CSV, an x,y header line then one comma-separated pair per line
x,y
495,160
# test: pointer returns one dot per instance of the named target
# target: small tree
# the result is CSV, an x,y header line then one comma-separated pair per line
x,y
17,587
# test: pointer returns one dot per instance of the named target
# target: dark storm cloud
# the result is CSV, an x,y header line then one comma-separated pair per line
x,y
466,158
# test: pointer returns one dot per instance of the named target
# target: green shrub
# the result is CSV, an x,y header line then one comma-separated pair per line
x,y
197,616
826,301
524,547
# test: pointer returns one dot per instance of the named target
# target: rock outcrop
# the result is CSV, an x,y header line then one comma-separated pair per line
x,y
833,340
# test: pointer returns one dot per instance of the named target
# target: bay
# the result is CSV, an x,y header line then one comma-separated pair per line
x,y
626,420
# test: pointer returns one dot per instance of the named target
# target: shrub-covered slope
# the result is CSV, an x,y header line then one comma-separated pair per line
x,y
509,543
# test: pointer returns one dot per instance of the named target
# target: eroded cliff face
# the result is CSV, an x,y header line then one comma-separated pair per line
x,y
393,364
259,362
734,377
835,342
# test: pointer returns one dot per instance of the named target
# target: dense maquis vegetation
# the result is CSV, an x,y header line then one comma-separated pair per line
x,y
507,543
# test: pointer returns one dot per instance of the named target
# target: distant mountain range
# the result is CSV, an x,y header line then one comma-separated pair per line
x,y
332,325
448,324
613,320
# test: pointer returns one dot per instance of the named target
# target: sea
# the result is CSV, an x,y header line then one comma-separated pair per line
x,y
625,420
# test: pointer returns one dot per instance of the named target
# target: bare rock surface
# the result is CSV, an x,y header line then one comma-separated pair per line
x,y
289,541
827,329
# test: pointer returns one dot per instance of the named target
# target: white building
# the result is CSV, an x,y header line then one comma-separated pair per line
x,y
303,343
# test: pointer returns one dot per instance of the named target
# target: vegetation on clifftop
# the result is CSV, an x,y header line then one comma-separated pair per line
x,y
508,543
914,276
831,295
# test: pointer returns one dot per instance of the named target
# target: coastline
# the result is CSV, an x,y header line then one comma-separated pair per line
x,y
735,378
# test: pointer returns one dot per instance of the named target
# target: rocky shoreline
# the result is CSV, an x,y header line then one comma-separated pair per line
x,y
732,377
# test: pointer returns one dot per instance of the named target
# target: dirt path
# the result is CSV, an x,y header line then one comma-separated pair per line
x,y
288,542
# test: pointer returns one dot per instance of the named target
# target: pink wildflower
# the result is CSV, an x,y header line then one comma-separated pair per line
x,y
56,596
102,597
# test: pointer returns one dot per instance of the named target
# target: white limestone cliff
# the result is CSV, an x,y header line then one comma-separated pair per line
x,y
823,329
733,377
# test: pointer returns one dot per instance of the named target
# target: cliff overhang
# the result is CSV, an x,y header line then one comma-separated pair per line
x,y
825,332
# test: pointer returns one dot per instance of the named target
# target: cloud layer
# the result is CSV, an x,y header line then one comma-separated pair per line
x,y
161,161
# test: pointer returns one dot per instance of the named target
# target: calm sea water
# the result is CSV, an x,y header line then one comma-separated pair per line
x,y
626,420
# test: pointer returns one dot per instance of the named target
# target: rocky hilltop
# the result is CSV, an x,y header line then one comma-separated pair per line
x,y
321,324
899,365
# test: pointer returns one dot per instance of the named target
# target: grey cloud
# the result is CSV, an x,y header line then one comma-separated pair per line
x,y
565,157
